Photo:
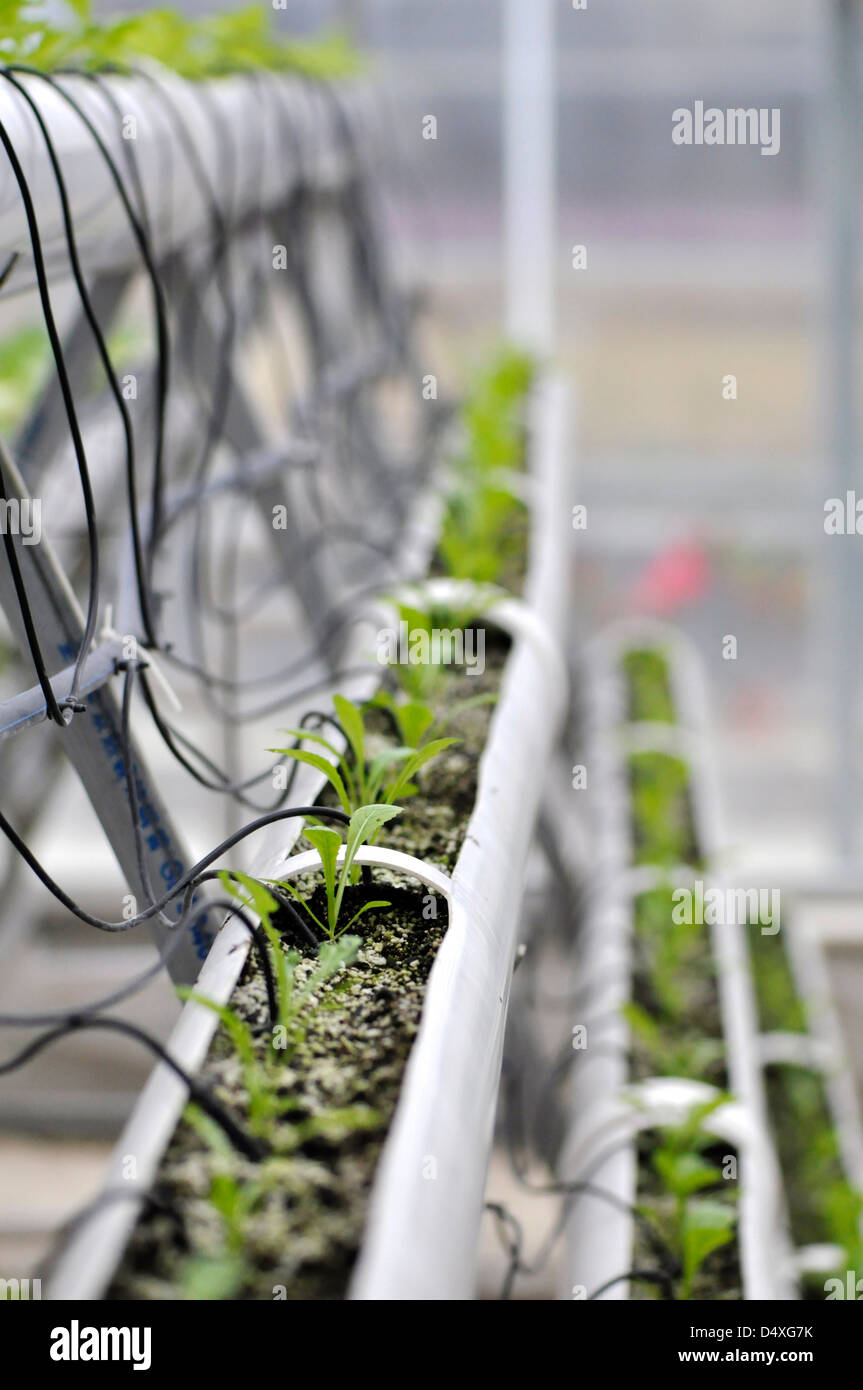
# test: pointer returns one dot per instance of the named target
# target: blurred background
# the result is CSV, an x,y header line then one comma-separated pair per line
x,y
704,511
700,263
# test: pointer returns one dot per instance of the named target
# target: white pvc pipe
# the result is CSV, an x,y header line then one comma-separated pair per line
x,y
254,139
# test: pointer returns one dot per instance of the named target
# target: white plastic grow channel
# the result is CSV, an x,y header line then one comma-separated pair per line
x,y
600,1232
822,1049
276,129
421,1236
88,1260
813,985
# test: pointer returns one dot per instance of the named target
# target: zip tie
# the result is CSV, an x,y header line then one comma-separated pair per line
x,y
110,634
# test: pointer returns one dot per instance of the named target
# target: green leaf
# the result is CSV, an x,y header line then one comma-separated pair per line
x,y
212,1277
414,763
367,907
327,842
414,719
684,1174
379,765
212,1134
365,822
351,721
257,896
333,956
641,1022
315,760
463,706
708,1225
306,736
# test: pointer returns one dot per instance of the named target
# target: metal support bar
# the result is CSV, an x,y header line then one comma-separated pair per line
x,y
26,710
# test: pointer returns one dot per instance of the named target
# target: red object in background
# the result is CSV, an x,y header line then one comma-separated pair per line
x,y
677,576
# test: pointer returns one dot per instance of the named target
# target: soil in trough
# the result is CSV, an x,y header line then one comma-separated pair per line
x,y
291,1226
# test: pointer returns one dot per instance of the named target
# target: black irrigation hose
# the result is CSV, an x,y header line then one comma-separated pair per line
x,y
159,308
188,881
54,711
247,1144
138,982
644,1276
262,946
71,702
368,279
152,1201
98,338
511,1233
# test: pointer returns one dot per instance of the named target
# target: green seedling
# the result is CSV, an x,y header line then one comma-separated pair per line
x,y
482,533
699,1224
295,1002
435,631
365,822
780,1008
358,779
673,955
674,1050
415,720
661,809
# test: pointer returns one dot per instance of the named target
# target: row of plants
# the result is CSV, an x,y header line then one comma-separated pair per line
x,y
310,1054
195,47
676,1030
686,1202
824,1208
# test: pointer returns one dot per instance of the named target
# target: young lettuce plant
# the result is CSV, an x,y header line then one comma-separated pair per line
x,y
415,720
480,536
365,822
700,1224
673,1048
357,780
